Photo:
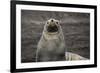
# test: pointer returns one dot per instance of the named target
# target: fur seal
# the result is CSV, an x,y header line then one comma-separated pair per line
x,y
51,46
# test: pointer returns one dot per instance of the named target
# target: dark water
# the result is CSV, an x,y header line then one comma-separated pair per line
x,y
75,26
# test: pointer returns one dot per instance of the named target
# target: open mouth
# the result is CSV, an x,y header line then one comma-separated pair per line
x,y
52,29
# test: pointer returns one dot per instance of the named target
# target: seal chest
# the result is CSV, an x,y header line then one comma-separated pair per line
x,y
51,46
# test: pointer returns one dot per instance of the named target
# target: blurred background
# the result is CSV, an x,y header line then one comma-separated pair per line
x,y
75,26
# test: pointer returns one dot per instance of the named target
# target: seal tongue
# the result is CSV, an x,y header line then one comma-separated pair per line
x,y
52,28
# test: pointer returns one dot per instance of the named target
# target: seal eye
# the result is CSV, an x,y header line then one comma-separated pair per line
x,y
56,22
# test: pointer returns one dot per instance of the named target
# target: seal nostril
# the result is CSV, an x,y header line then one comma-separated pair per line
x,y
51,20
